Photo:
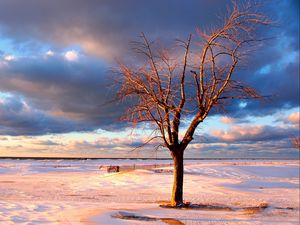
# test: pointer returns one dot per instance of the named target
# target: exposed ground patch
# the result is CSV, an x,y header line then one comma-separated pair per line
x,y
131,216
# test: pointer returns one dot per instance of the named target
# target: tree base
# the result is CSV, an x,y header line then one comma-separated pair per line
x,y
178,205
188,205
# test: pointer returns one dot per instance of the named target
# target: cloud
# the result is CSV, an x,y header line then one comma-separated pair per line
x,y
263,149
71,55
49,53
46,142
238,133
77,91
294,117
253,133
102,28
9,58
245,140
227,120
69,87
19,118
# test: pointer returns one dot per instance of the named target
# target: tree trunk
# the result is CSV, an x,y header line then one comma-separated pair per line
x,y
177,193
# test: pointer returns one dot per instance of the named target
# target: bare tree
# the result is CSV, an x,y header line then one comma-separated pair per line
x,y
296,142
169,87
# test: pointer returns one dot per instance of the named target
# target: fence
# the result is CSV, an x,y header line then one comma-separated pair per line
x,y
124,168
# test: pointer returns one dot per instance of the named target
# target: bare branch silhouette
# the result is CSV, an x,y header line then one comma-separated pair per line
x,y
166,88
296,142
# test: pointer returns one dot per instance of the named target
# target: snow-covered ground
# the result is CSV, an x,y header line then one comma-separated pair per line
x,y
78,192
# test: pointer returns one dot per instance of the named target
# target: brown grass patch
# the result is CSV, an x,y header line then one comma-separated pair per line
x,y
172,222
130,216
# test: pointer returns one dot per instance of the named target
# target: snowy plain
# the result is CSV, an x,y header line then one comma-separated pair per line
x,y
34,192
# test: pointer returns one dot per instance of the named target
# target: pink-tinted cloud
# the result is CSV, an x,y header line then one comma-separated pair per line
x,y
227,120
253,133
294,117
238,132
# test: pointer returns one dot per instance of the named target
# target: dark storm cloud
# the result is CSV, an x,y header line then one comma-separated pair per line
x,y
101,27
73,91
274,68
77,91
17,118
54,80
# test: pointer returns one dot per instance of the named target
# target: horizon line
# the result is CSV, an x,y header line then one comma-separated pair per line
x,y
145,158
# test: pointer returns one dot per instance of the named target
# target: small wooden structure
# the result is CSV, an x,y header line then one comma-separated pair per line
x,y
113,169
126,168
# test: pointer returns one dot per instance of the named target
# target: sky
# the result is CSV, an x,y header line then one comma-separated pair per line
x,y
56,63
